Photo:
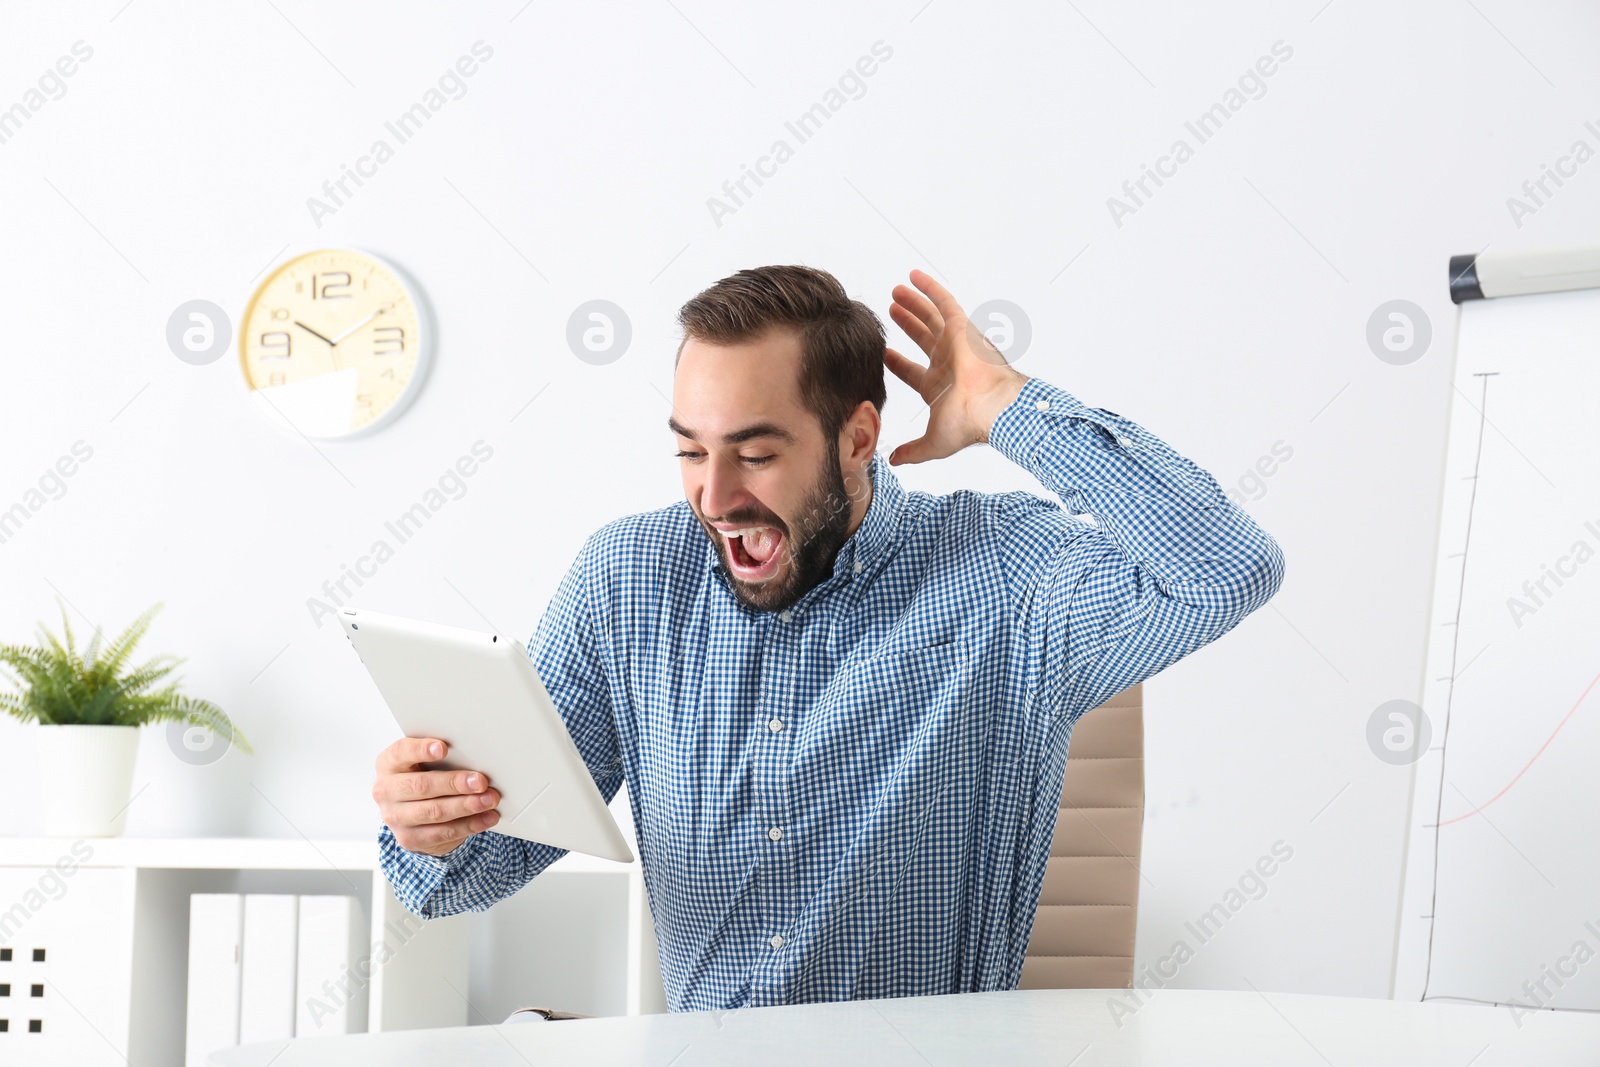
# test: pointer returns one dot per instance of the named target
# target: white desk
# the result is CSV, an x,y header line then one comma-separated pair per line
x,y
1055,1027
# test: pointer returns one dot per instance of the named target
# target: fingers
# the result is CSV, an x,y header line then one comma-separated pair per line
x,y
922,311
919,451
406,786
440,838
906,370
942,300
431,811
407,752
438,810
914,328
436,821
935,443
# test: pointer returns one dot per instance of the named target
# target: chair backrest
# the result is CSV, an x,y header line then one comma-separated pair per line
x,y
1083,932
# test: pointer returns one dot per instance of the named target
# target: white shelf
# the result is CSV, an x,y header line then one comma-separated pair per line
x,y
236,853
193,853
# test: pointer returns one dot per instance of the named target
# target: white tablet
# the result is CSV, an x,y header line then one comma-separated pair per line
x,y
483,697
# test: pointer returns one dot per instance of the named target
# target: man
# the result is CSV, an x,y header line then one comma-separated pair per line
x,y
842,709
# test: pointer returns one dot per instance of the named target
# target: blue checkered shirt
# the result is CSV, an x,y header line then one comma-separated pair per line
x,y
855,797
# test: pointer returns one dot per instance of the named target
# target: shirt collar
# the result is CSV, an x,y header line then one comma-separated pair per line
x,y
873,535
880,521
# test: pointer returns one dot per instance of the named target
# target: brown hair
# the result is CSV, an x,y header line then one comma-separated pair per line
x,y
841,340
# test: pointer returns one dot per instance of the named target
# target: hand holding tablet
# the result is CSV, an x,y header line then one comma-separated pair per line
x,y
482,702
431,811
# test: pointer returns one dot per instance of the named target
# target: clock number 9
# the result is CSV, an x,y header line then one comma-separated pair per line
x,y
326,290
275,345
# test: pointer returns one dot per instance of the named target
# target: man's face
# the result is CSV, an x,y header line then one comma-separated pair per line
x,y
761,476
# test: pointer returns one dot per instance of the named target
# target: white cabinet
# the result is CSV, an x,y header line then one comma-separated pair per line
x,y
110,919
68,933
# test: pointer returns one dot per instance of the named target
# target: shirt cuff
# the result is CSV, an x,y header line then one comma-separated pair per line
x,y
1037,413
1068,445
458,856
414,876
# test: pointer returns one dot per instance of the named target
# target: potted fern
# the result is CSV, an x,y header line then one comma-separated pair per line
x,y
89,706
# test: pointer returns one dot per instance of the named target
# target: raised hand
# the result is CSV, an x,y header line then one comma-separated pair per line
x,y
967,382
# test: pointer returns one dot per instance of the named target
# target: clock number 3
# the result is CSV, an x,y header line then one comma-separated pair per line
x,y
388,340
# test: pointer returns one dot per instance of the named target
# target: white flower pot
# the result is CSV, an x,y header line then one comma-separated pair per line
x,y
85,777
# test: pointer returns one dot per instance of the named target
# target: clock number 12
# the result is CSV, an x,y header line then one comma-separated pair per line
x,y
329,288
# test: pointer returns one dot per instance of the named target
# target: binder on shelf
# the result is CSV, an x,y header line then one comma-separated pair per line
x,y
333,969
216,936
267,977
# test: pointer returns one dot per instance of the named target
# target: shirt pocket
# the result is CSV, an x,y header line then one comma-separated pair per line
x,y
903,680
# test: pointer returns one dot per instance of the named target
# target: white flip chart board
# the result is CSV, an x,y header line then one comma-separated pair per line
x,y
1501,903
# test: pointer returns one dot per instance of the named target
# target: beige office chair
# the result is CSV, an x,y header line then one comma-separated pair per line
x,y
1083,931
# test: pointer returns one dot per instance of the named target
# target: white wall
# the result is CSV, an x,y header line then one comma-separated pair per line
x,y
1228,313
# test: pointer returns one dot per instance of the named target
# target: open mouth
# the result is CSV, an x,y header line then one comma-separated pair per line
x,y
753,551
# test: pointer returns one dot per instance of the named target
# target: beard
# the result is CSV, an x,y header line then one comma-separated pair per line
x,y
810,545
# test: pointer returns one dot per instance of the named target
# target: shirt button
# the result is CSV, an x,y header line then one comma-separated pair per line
x,y
775,724
1124,442
786,616
855,568
1041,405
775,834
776,941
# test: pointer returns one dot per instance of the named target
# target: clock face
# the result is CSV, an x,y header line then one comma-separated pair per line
x,y
332,342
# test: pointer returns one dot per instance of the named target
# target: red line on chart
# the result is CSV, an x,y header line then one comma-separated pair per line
x,y
1536,755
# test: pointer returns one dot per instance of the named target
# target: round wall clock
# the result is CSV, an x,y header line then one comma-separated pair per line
x,y
334,343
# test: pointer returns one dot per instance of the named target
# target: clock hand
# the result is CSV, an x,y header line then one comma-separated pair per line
x,y
333,351
314,333
356,327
